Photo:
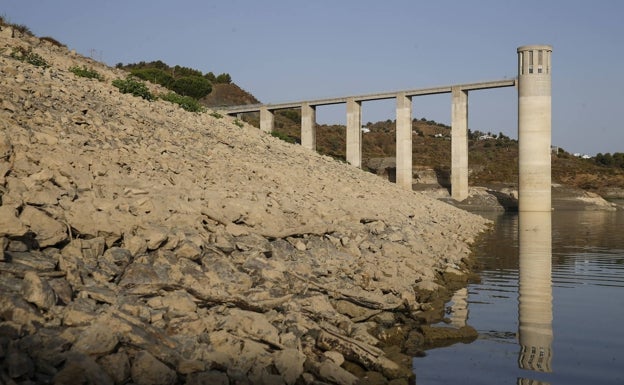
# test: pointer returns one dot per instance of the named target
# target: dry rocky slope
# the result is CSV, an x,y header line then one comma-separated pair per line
x,y
140,243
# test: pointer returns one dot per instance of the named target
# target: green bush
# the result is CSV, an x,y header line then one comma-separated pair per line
x,y
238,123
154,75
26,55
215,114
85,72
132,86
194,86
282,136
186,102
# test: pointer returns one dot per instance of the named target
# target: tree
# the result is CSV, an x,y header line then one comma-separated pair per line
x,y
224,78
194,86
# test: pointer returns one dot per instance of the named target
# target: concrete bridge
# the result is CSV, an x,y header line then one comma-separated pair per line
x,y
534,106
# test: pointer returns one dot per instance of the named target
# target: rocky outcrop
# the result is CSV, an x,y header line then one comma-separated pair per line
x,y
142,243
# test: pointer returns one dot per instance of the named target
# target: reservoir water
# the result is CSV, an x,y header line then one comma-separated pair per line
x,y
549,308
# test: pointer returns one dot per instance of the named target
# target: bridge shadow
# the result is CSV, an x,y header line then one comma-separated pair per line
x,y
507,201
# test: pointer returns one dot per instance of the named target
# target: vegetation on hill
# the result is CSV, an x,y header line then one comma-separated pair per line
x,y
184,81
493,158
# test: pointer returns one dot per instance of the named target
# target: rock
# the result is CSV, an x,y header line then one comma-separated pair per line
x,y
11,225
155,236
96,340
188,250
211,377
18,363
37,291
147,370
329,371
117,366
335,356
251,324
48,231
81,369
79,312
62,289
289,363
4,243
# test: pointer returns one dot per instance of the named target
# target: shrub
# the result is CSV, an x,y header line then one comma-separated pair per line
x,y
132,86
26,55
224,78
85,72
186,102
154,75
23,29
53,41
194,86
282,136
238,123
215,114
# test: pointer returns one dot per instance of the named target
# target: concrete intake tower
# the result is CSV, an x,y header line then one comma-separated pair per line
x,y
534,128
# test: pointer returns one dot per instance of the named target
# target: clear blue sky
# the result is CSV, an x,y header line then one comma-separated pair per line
x,y
288,50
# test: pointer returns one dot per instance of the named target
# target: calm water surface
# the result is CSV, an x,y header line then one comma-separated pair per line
x,y
549,308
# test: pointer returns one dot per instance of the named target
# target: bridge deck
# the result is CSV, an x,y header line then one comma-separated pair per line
x,y
369,97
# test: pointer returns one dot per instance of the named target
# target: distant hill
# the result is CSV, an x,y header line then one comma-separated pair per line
x,y
493,158
228,94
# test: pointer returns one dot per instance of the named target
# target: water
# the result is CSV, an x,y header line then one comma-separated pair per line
x,y
549,308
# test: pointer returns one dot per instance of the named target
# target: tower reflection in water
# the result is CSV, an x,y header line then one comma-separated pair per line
x,y
535,292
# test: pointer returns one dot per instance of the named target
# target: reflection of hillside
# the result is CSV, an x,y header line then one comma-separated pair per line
x,y
594,228
494,254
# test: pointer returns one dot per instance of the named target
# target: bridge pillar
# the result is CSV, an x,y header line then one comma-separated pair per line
x,y
459,144
308,126
354,132
534,128
266,120
404,141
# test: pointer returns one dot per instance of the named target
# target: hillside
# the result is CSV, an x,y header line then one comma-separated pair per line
x,y
141,243
491,161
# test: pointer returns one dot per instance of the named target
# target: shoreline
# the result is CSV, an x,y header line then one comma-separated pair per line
x,y
143,243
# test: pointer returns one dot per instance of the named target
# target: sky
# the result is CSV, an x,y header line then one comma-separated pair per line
x,y
292,50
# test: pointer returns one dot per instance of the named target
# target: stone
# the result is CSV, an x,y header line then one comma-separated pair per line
x,y
335,356
18,363
329,371
154,236
147,370
251,324
62,289
11,225
37,291
289,363
212,377
81,369
96,340
4,243
48,231
117,366
188,250
79,312
179,303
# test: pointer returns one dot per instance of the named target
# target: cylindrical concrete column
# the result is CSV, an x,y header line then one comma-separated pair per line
x,y
404,141
534,128
354,132
308,126
535,313
459,144
266,120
